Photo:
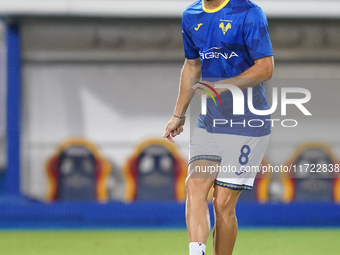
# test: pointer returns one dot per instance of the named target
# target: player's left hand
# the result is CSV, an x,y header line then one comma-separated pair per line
x,y
203,87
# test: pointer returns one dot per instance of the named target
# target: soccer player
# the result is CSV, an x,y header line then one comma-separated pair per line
x,y
225,42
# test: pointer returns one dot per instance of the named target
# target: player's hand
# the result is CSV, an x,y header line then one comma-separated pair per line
x,y
203,87
173,128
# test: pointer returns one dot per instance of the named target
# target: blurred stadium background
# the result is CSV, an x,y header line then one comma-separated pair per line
x,y
86,88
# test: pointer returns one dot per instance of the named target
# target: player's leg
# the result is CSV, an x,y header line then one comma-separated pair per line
x,y
225,229
241,158
203,154
198,185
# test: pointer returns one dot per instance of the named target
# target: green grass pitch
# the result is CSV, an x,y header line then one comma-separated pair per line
x,y
165,242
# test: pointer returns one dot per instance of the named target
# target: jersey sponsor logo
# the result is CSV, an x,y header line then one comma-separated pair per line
x,y
214,48
225,28
198,26
216,53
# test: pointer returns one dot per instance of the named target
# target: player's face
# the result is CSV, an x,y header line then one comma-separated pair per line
x,y
214,1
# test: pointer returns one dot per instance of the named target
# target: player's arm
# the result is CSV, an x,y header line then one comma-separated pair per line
x,y
191,69
260,72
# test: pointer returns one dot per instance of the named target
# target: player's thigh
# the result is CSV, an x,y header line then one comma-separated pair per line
x,y
204,160
201,177
203,147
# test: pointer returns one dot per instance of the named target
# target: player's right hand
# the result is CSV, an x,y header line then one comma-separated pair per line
x,y
173,128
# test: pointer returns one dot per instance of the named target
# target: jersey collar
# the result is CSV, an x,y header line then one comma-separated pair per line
x,y
216,9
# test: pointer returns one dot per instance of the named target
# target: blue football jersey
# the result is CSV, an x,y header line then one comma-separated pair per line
x,y
227,40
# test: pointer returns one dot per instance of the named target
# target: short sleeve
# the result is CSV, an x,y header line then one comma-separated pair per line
x,y
190,50
256,34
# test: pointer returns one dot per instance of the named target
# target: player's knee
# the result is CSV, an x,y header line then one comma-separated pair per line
x,y
195,188
224,206
190,185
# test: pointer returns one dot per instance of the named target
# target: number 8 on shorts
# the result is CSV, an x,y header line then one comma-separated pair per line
x,y
244,157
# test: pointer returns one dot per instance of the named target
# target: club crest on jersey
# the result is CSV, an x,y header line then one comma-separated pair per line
x,y
225,28
215,52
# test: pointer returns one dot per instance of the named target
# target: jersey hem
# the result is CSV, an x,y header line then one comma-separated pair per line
x,y
264,56
236,133
191,57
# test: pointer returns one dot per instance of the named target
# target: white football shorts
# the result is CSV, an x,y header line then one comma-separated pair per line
x,y
240,157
